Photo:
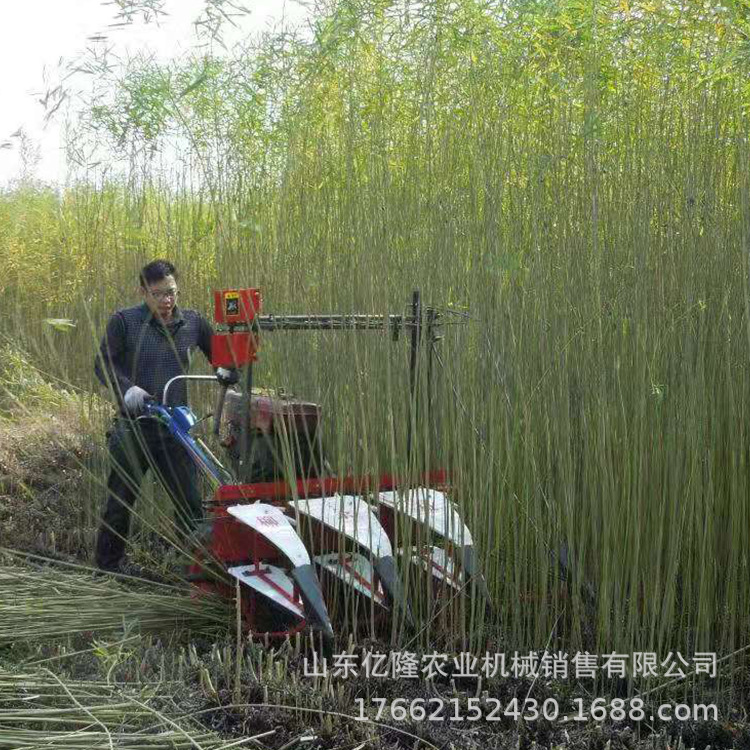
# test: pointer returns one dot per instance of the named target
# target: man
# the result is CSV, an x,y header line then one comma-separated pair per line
x,y
143,348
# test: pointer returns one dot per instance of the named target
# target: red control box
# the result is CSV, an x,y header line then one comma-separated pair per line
x,y
236,306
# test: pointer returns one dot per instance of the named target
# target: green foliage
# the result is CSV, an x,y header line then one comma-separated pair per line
x,y
23,387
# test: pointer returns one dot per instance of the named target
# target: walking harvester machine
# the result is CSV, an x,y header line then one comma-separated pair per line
x,y
285,520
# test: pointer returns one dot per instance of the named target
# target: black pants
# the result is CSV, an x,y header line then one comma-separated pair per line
x,y
134,447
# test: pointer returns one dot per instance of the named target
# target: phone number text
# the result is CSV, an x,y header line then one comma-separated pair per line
x,y
530,709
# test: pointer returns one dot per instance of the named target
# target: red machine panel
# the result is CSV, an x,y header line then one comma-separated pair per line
x,y
236,306
233,349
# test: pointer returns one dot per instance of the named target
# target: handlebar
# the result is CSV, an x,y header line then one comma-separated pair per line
x,y
165,397
219,409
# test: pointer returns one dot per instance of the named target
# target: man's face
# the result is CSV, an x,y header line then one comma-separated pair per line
x,y
161,297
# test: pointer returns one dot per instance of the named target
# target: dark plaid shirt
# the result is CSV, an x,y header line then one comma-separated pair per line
x,y
137,349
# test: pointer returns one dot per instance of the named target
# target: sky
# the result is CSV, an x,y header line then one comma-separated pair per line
x,y
38,38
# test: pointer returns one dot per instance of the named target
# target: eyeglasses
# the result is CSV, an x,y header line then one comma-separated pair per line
x,y
164,294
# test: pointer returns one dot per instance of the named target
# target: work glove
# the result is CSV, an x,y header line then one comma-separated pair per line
x,y
226,377
135,400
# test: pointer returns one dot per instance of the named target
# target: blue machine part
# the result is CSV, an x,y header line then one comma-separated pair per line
x,y
179,420
183,418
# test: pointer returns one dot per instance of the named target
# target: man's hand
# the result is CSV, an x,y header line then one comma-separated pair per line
x,y
226,377
135,400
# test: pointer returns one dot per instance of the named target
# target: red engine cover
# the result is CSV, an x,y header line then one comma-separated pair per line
x,y
298,416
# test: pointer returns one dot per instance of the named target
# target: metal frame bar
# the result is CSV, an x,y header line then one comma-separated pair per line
x,y
338,322
165,400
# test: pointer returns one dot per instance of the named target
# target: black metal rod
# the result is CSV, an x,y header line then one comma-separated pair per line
x,y
432,317
327,322
416,339
245,435
219,408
